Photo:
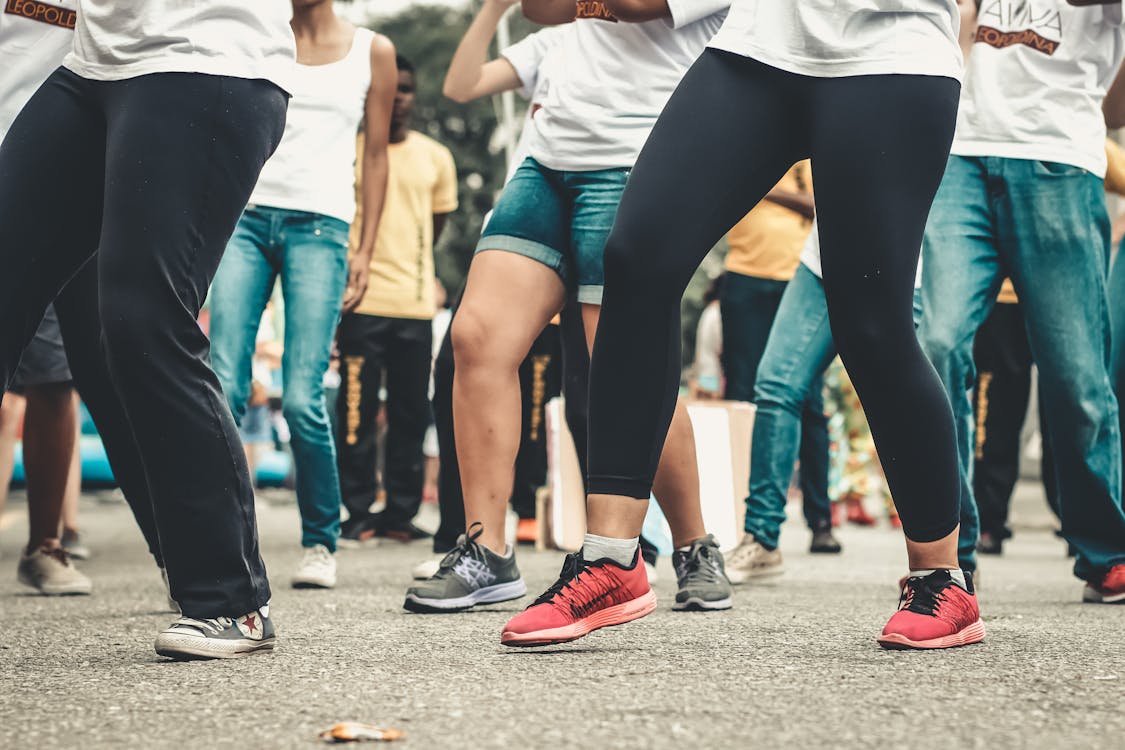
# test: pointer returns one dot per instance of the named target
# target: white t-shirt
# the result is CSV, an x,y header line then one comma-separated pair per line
x,y
313,168
1035,81
601,105
533,58
238,38
34,39
834,38
810,256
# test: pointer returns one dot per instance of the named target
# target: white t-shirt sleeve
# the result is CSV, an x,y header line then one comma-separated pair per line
x,y
690,11
526,56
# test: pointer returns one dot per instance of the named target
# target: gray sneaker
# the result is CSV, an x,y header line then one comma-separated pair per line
x,y
50,571
701,577
469,575
218,638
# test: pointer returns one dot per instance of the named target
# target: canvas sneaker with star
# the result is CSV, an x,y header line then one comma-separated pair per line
x,y
750,560
317,569
50,571
469,575
701,577
1109,590
189,638
934,612
588,596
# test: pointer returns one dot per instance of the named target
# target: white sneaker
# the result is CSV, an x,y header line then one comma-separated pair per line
x,y
750,560
317,569
218,638
50,571
427,569
650,571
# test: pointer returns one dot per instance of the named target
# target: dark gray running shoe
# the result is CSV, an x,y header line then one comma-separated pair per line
x,y
470,574
702,577
218,638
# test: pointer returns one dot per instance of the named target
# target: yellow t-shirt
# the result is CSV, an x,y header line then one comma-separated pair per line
x,y
767,242
421,182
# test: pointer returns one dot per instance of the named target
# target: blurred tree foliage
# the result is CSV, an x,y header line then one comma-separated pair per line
x,y
427,35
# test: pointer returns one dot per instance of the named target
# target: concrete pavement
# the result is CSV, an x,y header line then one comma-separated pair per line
x,y
794,664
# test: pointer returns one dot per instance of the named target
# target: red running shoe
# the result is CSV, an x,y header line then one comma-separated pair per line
x,y
1110,590
587,596
934,612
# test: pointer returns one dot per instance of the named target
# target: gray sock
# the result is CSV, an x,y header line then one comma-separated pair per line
x,y
956,574
621,551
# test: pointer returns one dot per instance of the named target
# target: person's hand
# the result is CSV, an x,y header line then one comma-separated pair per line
x,y
359,268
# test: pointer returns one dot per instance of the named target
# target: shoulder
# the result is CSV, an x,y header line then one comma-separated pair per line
x,y
382,52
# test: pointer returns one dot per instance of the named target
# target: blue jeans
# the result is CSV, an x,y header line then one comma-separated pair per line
x,y
1044,225
561,219
800,348
749,307
310,253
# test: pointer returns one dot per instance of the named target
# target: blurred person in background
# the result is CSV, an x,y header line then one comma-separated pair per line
x,y
386,339
295,229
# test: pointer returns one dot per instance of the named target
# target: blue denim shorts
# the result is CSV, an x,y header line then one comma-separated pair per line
x,y
561,219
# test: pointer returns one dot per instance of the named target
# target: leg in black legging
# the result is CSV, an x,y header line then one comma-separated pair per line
x,y
880,145
687,189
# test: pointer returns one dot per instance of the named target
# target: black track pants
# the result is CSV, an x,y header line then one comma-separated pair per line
x,y
878,146
148,177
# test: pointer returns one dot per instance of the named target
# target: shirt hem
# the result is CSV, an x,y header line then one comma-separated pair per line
x,y
1061,155
814,68
198,64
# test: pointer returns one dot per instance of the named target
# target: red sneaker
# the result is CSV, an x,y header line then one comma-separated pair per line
x,y
1110,590
857,514
587,596
934,612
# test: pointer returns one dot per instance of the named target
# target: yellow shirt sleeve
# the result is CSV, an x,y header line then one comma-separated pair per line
x,y
1115,173
445,189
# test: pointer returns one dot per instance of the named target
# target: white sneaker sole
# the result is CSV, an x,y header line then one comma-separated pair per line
x,y
313,582
502,592
190,647
1092,596
702,605
737,576
80,588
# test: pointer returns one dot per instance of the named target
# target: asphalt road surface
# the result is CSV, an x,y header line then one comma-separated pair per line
x,y
794,664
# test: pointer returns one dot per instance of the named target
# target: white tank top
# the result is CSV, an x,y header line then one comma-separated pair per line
x,y
314,167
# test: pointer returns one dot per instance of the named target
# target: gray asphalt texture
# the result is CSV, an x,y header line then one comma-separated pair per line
x,y
794,664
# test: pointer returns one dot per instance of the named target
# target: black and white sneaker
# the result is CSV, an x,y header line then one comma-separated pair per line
x,y
469,575
701,576
218,638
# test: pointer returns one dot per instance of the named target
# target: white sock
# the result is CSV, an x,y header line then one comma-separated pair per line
x,y
621,551
956,574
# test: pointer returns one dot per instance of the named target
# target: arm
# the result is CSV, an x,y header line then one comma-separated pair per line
x,y
802,203
439,226
377,116
471,74
549,12
968,10
637,11
1113,106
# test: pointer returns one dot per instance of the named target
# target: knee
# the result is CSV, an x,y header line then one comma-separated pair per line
x,y
950,354
774,392
303,411
638,256
476,345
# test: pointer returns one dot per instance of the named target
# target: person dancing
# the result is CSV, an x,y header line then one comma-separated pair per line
x,y
837,81
134,159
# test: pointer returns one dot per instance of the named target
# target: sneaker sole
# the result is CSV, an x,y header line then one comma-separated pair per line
x,y
737,576
194,648
825,550
966,636
343,543
696,604
503,592
609,617
81,589
308,583
1092,596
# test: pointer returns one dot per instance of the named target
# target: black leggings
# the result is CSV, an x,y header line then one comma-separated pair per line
x,y
148,177
878,146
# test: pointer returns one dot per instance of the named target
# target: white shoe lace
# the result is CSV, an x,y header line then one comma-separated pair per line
x,y
214,626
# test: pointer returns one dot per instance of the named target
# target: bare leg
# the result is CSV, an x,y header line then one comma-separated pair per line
x,y
48,449
11,412
73,479
508,301
938,555
676,484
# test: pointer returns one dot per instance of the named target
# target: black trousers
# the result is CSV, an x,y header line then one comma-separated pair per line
x,y
879,145
541,375
395,352
1003,361
146,176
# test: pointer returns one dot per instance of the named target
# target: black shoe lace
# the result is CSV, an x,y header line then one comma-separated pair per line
x,y
920,595
466,546
700,563
573,567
